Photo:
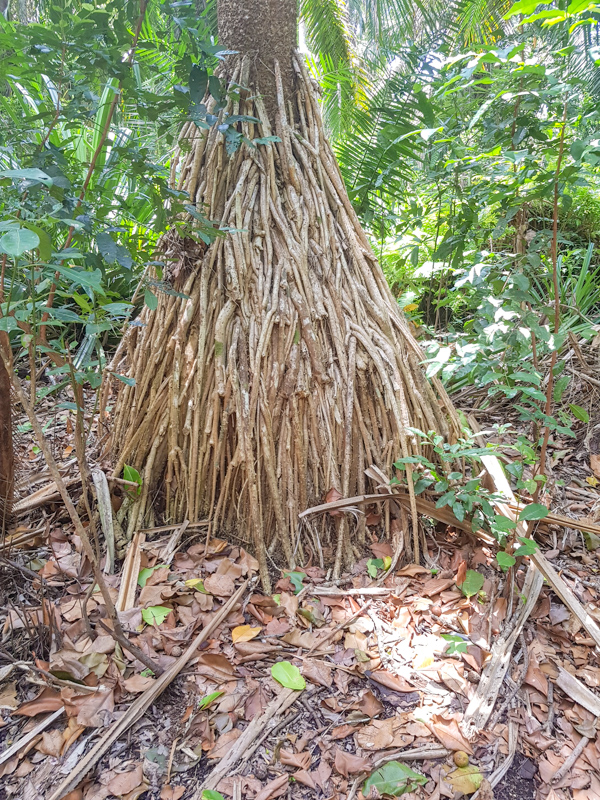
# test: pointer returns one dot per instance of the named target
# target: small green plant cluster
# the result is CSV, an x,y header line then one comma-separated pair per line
x,y
462,491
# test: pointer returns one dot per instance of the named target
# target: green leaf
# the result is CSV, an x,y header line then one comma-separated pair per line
x,y
533,511
373,564
505,560
579,412
577,149
211,794
394,779
457,644
107,247
150,299
288,675
146,572
131,474
45,245
472,583
503,524
18,241
155,615
296,579
209,698
528,547
27,174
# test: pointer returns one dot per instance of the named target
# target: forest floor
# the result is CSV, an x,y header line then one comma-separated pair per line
x,y
384,691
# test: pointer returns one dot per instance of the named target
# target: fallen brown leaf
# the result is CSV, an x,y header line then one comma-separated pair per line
x,y
305,778
317,672
51,743
47,700
122,783
448,732
298,760
377,735
369,704
224,743
390,681
347,764
138,683
172,792
219,585
274,788
93,710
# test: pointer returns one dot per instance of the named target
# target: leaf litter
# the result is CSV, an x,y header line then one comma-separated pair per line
x,y
379,683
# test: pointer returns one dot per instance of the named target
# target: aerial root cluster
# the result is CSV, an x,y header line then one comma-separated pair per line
x,y
287,368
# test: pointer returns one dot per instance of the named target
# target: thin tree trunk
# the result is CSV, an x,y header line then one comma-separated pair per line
x,y
6,443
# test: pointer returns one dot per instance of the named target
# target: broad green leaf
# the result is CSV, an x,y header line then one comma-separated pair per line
x,y
18,241
577,149
504,524
533,511
107,247
209,698
150,299
505,559
579,412
146,572
288,675
296,579
457,643
131,474
393,779
155,615
373,564
472,583
211,794
528,547
124,379
27,174
45,244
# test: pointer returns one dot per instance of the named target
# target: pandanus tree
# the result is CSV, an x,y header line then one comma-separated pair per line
x,y
277,366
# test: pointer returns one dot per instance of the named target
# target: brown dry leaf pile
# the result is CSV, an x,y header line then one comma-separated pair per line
x,y
381,680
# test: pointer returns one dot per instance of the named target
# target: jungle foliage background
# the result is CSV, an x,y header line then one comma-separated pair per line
x,y
465,132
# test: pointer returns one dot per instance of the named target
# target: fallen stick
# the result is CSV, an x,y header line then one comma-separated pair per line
x,y
143,702
24,740
570,761
578,692
46,494
482,703
373,591
226,765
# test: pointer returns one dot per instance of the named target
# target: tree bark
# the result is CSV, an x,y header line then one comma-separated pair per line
x,y
265,30
6,443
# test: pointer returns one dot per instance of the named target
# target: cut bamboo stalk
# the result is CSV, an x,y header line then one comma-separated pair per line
x,y
130,573
144,701
24,740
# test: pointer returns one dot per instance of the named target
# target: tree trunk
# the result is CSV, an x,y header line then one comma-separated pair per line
x,y
6,442
287,369
266,31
